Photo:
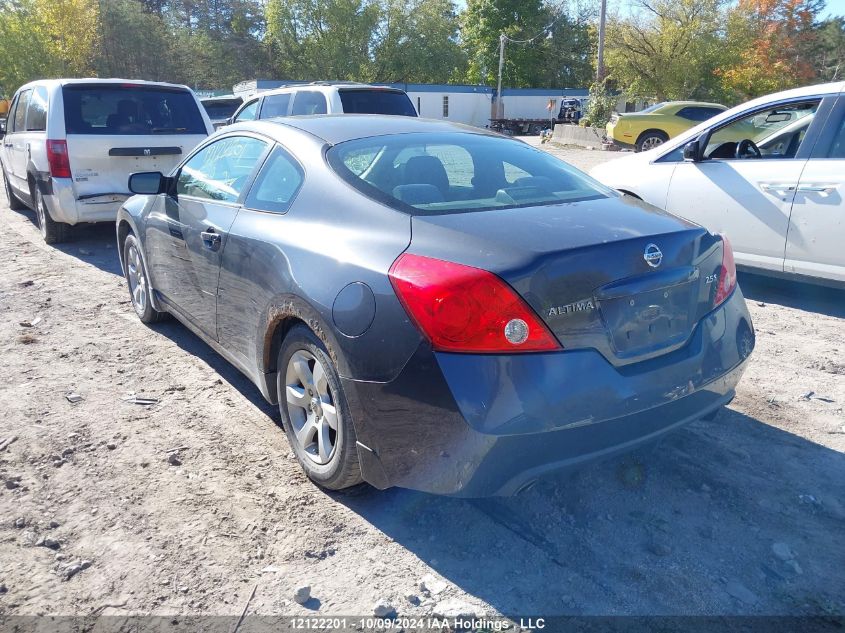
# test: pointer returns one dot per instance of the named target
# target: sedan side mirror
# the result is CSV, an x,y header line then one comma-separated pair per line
x,y
692,152
148,183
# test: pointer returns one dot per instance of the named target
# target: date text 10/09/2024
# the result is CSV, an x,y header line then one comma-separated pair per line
x,y
419,624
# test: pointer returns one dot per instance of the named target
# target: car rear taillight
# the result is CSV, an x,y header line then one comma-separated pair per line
x,y
727,274
465,309
58,159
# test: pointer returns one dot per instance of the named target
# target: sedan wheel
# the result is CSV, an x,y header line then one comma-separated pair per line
x,y
136,279
311,407
314,411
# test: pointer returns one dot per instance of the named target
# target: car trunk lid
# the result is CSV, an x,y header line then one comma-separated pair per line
x,y
613,274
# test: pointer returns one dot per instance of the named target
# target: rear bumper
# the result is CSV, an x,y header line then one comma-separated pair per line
x,y
480,425
65,207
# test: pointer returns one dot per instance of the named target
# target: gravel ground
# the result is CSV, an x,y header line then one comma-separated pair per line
x,y
192,503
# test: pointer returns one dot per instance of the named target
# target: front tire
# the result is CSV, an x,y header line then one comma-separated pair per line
x,y
140,292
53,232
650,140
314,412
15,203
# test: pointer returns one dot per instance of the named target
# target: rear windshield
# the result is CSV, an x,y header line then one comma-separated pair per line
x,y
130,110
458,172
368,101
221,109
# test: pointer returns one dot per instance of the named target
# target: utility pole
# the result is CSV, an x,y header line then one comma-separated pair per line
x,y
500,112
600,64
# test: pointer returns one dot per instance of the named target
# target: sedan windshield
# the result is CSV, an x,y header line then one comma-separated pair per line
x,y
456,172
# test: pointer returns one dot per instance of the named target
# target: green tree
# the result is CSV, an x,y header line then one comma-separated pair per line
x,y
134,43
417,41
669,49
481,25
829,54
321,39
23,51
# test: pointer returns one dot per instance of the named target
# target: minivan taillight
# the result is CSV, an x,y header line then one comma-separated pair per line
x,y
465,309
727,274
58,159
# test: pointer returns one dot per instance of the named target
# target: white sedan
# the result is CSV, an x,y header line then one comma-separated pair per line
x,y
770,174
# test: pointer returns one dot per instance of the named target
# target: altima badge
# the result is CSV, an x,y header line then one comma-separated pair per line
x,y
653,255
577,306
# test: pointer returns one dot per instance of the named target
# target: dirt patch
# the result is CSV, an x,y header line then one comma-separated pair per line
x,y
147,476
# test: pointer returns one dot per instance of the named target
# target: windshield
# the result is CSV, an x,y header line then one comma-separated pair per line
x,y
457,172
652,108
119,109
369,101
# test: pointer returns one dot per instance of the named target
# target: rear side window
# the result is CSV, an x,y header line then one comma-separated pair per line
x,y
220,171
309,102
36,118
275,105
457,172
20,111
837,148
366,101
130,110
276,184
697,113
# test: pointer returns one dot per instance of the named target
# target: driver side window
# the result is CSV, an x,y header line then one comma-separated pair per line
x,y
776,132
221,170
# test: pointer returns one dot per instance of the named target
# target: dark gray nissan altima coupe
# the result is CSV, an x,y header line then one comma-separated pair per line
x,y
434,306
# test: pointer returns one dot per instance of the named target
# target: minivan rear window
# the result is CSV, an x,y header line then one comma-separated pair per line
x,y
368,101
130,110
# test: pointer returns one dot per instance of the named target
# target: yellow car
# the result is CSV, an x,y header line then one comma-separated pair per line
x,y
656,124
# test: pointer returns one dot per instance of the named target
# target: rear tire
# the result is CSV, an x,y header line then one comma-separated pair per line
x,y
53,232
140,292
651,139
314,412
15,203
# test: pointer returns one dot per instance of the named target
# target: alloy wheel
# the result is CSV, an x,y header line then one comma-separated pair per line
x,y
137,279
311,407
651,142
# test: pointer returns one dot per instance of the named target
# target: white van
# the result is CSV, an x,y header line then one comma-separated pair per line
x,y
71,144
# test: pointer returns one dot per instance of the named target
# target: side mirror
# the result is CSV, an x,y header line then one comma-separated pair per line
x,y
692,152
148,183
2,129
230,120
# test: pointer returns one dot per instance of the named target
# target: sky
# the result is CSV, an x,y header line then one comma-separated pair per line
x,y
834,7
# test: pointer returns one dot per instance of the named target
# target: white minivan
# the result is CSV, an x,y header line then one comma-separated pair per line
x,y
71,144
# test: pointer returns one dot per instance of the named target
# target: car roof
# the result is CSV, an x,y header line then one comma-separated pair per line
x,y
705,104
324,86
92,80
337,128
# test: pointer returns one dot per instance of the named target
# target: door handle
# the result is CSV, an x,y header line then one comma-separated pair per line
x,y
777,186
816,188
211,239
